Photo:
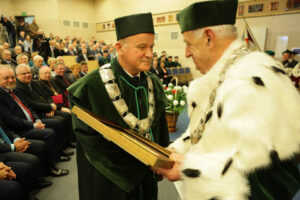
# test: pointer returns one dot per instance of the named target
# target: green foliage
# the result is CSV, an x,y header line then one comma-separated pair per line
x,y
176,96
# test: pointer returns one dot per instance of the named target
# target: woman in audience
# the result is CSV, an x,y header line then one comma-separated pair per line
x,y
164,73
51,62
28,44
76,69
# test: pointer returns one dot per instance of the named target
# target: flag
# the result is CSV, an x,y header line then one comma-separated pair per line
x,y
249,40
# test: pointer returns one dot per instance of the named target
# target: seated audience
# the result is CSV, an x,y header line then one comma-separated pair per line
x,y
19,117
60,81
104,59
22,59
83,56
16,180
51,62
28,45
156,70
169,62
17,50
176,63
76,69
58,51
37,64
44,106
84,68
164,74
51,89
21,38
6,59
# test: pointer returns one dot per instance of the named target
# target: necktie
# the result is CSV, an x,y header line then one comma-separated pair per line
x,y
21,104
4,136
66,81
136,78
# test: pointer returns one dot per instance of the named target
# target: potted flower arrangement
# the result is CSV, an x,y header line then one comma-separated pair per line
x,y
176,96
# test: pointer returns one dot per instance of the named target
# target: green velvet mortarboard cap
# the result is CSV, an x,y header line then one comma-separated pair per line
x,y
134,24
270,52
207,13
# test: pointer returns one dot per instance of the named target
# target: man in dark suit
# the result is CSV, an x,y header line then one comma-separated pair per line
x,y
83,56
104,59
16,149
169,62
16,180
60,81
47,110
19,117
6,58
84,69
70,51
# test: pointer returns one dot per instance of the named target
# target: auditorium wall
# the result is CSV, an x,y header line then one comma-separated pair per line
x,y
51,13
107,10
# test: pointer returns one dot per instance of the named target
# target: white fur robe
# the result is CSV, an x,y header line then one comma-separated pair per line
x,y
256,112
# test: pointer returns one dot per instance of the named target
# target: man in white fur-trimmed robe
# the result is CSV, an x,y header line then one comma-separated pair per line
x,y
244,115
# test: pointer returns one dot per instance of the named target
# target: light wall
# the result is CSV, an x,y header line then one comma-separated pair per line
x,y
50,14
107,10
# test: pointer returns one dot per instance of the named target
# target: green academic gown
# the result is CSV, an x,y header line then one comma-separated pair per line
x,y
103,168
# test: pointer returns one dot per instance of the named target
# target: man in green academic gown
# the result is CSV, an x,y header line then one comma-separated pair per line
x,y
121,91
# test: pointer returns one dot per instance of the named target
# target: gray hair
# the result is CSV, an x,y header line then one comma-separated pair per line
x,y
221,31
21,66
21,55
37,57
2,66
59,63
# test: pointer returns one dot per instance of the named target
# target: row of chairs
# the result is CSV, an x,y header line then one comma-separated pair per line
x,y
183,74
70,60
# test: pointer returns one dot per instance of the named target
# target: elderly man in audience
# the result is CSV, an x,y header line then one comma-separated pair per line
x,y
19,117
33,28
43,104
17,50
52,89
6,45
52,47
70,51
61,82
83,56
37,64
6,58
58,51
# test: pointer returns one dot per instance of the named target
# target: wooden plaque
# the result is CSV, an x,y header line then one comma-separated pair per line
x,y
146,151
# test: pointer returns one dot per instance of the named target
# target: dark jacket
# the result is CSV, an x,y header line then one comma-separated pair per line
x,y
33,97
4,147
12,115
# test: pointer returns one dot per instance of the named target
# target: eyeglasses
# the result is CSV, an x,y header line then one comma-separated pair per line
x,y
24,73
